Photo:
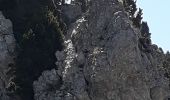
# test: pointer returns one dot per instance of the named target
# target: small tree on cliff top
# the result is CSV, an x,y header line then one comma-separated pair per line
x,y
130,7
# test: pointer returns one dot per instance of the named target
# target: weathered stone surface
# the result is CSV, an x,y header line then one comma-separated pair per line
x,y
71,12
102,60
159,93
48,81
7,54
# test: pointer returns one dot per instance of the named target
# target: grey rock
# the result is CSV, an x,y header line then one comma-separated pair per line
x,y
103,61
7,55
71,12
159,93
48,81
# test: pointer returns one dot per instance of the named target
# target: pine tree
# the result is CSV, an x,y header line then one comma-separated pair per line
x,y
138,18
134,16
145,30
130,7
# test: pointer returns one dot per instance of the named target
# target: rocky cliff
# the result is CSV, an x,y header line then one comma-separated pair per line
x,y
104,57
7,56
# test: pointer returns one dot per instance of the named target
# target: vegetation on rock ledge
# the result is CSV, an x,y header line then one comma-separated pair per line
x,y
38,30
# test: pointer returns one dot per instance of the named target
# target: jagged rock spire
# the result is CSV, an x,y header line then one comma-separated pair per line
x,y
102,59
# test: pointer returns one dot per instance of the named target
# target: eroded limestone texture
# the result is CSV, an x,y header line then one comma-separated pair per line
x,y
7,55
102,59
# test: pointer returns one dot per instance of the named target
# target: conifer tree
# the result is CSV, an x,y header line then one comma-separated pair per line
x,y
130,7
145,30
138,18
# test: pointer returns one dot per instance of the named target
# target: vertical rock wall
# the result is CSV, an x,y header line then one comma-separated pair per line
x,y
7,55
102,60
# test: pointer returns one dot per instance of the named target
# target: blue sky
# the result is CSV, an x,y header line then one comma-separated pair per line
x,y
157,14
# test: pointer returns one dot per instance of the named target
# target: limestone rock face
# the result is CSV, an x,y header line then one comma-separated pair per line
x,y
71,12
48,81
102,60
7,54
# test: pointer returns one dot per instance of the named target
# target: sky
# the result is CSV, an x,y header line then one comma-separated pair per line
x,y
157,15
